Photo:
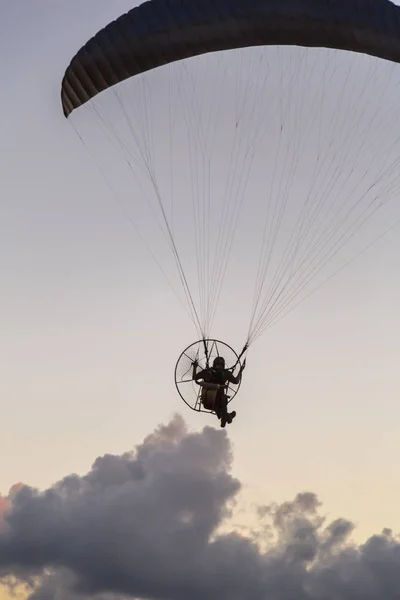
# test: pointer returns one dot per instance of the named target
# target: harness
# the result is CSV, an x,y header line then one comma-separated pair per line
x,y
215,376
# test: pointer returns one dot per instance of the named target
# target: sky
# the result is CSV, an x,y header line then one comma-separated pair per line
x,y
116,469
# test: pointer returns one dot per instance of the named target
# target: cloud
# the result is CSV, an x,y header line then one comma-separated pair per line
x,y
146,524
4,505
6,502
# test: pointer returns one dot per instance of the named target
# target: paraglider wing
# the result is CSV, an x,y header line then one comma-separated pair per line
x,y
163,31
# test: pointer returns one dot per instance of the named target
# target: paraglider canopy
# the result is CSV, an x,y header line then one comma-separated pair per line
x,y
289,109
162,31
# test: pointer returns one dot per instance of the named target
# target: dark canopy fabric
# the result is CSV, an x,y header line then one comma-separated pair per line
x,y
162,31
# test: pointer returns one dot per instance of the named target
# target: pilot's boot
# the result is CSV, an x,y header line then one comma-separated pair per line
x,y
230,416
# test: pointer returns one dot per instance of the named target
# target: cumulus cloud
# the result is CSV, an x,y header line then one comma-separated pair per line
x,y
6,501
146,524
4,505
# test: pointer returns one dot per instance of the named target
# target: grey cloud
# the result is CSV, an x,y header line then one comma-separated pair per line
x,y
145,525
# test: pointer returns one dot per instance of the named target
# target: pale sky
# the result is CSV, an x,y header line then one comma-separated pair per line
x,y
90,332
